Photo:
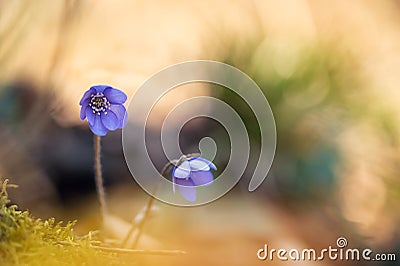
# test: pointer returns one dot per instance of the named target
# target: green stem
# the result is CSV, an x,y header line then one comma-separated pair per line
x,y
99,177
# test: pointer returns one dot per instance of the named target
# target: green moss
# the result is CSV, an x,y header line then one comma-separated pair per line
x,y
25,240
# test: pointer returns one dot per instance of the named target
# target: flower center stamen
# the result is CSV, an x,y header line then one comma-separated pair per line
x,y
99,103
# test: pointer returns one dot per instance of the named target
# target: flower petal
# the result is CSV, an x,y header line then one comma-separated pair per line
x,y
198,165
120,112
90,115
182,171
114,95
210,164
187,189
201,177
83,109
87,95
109,120
99,88
98,128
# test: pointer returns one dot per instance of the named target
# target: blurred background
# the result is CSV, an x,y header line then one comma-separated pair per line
x,y
329,69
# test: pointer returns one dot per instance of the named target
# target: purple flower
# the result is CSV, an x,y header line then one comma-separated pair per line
x,y
102,105
191,173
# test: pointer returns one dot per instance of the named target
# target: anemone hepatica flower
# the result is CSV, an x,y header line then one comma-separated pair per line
x,y
102,105
191,173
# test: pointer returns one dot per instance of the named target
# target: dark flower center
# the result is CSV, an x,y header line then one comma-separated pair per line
x,y
99,103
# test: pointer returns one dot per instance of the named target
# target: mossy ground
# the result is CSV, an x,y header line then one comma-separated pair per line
x,y
25,240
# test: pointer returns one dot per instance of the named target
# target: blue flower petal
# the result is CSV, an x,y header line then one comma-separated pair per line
x,y
90,115
182,171
83,109
87,95
199,165
120,112
201,177
187,189
114,95
210,164
100,88
109,120
98,128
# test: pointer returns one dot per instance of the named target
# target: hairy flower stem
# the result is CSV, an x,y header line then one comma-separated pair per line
x,y
99,177
138,227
